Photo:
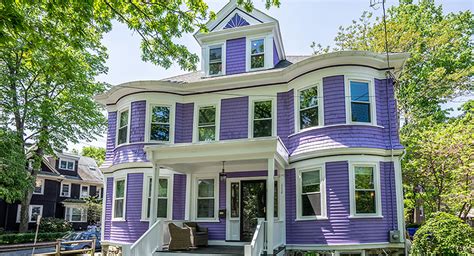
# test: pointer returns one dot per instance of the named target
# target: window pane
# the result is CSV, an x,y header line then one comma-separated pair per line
x,y
309,118
65,189
215,54
365,201
120,189
76,214
35,211
309,98
359,91
215,68
163,189
235,199
360,112
162,208
205,208
207,133
311,204
160,114
257,61
70,165
364,177
275,201
160,132
310,178
123,118
38,186
118,211
258,46
150,187
263,109
262,128
206,188
63,165
207,116
122,136
148,208
84,192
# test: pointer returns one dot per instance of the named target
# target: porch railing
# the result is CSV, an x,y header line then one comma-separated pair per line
x,y
278,233
150,241
257,246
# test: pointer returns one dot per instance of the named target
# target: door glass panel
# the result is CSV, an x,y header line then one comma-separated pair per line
x,y
253,207
234,199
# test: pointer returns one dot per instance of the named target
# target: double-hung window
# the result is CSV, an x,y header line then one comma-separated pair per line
x,y
162,197
65,190
206,199
66,165
262,119
308,108
310,189
123,128
207,123
119,199
360,102
215,60
84,191
160,123
39,187
76,214
365,190
34,212
257,53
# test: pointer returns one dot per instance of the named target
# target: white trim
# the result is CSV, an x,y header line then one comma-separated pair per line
x,y
197,106
399,195
169,206
88,191
206,62
359,246
83,214
322,184
116,179
117,126
251,107
30,211
69,190
214,177
372,100
148,119
377,189
267,51
296,107
42,181
67,161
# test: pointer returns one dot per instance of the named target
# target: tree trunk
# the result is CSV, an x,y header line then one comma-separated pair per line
x,y
24,211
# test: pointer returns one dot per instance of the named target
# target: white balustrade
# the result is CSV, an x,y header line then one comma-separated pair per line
x,y
278,233
256,247
150,241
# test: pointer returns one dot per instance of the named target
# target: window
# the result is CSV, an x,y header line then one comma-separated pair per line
x,y
123,127
76,214
84,191
163,198
215,60
99,192
119,199
206,199
360,102
66,165
160,123
308,108
262,119
65,190
39,187
257,53
234,200
311,201
207,123
275,202
34,212
365,190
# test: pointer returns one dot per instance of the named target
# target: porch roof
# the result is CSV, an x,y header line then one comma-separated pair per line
x,y
172,155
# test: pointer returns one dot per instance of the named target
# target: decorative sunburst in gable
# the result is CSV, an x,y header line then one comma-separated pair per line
x,y
236,21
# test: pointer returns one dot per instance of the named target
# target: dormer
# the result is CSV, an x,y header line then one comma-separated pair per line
x,y
239,42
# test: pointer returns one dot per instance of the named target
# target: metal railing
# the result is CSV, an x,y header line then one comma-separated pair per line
x,y
257,246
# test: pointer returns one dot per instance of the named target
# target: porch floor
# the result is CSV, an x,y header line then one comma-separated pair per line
x,y
215,250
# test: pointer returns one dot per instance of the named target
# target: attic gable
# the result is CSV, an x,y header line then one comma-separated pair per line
x,y
236,21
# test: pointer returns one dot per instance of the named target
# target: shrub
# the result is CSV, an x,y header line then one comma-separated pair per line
x,y
54,225
443,234
30,237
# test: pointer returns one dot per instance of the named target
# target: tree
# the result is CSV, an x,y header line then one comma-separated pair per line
x,y
443,234
94,210
97,153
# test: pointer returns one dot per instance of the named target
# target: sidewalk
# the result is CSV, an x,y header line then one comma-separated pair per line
x,y
16,247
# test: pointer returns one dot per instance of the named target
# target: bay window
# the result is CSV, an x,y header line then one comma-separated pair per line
x,y
207,123
257,53
262,119
206,199
122,136
308,108
160,123
360,104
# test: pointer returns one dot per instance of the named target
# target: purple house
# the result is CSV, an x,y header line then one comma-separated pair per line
x,y
270,152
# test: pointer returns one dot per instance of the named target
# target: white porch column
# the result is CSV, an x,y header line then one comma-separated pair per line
x,y
270,204
187,206
154,194
282,202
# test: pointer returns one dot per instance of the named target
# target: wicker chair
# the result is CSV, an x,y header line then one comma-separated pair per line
x,y
200,235
180,238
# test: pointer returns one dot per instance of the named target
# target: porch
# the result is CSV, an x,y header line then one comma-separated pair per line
x,y
234,188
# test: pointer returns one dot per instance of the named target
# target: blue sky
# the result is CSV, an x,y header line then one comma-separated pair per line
x,y
301,23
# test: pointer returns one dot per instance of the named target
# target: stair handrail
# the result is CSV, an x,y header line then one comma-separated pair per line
x,y
150,241
256,246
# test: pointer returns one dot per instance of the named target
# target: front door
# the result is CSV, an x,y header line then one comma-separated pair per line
x,y
253,195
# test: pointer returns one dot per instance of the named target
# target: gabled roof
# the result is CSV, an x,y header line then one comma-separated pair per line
x,y
87,169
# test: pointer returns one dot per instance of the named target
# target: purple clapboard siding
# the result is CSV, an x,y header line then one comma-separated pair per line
x,y
108,207
276,58
234,118
338,228
236,21
235,56
285,115
334,100
137,121
129,153
111,127
130,230
179,196
387,111
184,123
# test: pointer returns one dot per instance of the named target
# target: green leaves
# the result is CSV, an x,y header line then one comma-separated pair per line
x,y
96,153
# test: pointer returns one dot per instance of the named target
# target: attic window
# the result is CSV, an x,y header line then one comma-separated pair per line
x,y
66,165
215,60
257,53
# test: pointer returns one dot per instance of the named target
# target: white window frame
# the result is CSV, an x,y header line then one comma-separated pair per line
x,y
216,198
377,187
171,122
207,61
338,253
249,52
372,101
69,191
251,115
42,186
116,179
320,98
83,214
322,185
99,192
30,210
67,161
88,191
117,128
196,121
145,197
